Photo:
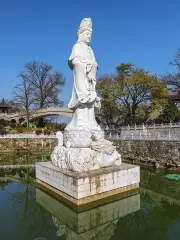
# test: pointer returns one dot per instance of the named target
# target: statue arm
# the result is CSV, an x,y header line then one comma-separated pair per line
x,y
77,57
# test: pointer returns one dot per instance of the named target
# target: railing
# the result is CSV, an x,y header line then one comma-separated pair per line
x,y
12,114
109,136
155,126
117,136
38,111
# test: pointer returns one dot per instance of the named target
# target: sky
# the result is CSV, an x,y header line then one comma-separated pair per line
x,y
144,32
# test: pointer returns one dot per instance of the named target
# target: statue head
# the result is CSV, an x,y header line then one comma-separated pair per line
x,y
85,31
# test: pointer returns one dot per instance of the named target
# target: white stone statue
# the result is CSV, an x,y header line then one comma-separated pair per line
x,y
84,147
84,97
59,136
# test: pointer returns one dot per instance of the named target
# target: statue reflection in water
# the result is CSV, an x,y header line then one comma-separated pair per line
x,y
97,223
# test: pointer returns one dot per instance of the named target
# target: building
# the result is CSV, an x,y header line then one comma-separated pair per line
x,y
174,96
4,107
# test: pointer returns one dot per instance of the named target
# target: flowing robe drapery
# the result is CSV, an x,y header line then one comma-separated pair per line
x,y
84,66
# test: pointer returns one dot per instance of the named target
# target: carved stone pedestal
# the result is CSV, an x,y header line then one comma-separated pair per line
x,y
82,151
79,138
85,187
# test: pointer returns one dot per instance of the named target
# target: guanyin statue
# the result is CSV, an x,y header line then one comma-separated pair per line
x,y
84,97
82,146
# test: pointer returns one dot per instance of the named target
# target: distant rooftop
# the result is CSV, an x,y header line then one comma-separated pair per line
x,y
175,97
3,104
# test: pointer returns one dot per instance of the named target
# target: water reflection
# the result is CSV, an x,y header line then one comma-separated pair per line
x,y
28,212
16,174
21,217
23,158
154,182
97,223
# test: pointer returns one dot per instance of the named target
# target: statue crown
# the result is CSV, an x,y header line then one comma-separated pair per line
x,y
86,24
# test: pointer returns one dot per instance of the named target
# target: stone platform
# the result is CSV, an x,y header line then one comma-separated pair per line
x,y
82,188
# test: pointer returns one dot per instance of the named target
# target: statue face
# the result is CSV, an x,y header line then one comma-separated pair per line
x,y
85,36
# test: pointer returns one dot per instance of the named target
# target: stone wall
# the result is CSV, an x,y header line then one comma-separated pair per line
x,y
160,154
35,145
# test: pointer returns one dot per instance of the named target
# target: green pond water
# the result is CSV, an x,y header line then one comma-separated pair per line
x,y
23,158
28,213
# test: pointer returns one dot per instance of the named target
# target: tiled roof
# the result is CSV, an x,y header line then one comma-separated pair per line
x,y
175,96
3,104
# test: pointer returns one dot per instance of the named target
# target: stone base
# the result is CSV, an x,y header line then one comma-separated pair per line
x,y
82,188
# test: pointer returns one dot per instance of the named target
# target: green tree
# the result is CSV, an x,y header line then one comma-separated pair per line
x,y
112,113
171,113
128,90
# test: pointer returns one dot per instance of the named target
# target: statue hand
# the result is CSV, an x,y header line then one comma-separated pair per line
x,y
75,61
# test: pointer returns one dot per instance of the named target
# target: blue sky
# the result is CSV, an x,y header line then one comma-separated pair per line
x,y
146,33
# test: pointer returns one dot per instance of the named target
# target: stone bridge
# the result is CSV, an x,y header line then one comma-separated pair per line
x,y
20,117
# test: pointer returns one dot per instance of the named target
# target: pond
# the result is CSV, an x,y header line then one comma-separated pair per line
x,y
28,212
23,158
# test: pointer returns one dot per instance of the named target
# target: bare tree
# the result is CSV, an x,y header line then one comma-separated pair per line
x,y
23,95
40,87
174,78
46,85
15,107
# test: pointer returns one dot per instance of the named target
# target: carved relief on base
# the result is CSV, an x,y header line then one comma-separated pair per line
x,y
100,153
80,139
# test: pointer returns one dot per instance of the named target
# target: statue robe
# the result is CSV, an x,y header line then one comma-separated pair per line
x,y
84,66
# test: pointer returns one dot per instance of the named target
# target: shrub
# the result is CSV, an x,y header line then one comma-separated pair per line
x,y
3,132
46,132
20,129
61,126
12,125
38,132
2,122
